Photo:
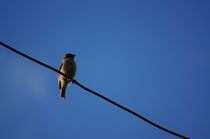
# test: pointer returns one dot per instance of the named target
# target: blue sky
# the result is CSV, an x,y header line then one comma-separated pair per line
x,y
151,56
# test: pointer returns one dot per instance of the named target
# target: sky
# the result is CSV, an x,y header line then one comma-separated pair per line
x,y
150,56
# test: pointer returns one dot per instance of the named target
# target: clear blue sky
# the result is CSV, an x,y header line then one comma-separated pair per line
x,y
151,56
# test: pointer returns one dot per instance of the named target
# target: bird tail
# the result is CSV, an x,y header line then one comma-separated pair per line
x,y
63,92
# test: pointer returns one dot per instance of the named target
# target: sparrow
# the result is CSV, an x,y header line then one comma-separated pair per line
x,y
68,67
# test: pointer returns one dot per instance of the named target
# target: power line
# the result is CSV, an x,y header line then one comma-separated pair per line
x,y
93,92
130,111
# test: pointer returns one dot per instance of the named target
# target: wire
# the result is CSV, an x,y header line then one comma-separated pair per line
x,y
128,110
93,92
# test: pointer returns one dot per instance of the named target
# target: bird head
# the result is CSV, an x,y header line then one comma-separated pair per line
x,y
69,56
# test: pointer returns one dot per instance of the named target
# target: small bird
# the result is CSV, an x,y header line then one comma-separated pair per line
x,y
68,67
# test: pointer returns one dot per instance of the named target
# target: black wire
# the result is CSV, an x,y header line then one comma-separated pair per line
x,y
31,58
128,110
93,92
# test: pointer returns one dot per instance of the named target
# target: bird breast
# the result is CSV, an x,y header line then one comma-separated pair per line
x,y
69,68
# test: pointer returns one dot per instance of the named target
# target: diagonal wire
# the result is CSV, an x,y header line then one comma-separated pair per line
x,y
93,92
129,111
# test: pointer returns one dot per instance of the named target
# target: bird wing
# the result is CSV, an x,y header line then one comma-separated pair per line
x,y
60,69
60,66
59,82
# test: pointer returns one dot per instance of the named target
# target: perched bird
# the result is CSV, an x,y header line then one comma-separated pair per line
x,y
68,67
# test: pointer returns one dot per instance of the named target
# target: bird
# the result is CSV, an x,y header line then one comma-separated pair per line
x,y
68,67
